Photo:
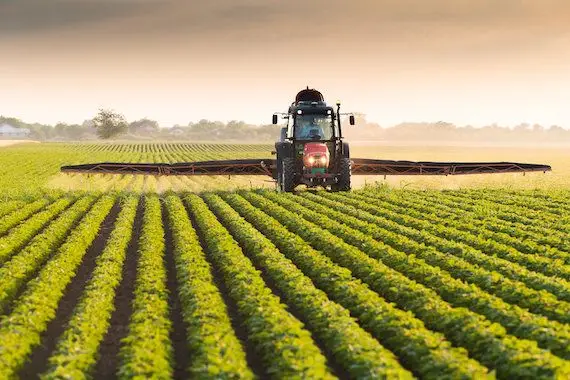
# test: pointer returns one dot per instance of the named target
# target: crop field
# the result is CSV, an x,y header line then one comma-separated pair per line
x,y
37,166
125,277
28,167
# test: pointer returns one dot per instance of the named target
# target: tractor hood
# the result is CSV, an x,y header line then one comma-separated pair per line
x,y
316,155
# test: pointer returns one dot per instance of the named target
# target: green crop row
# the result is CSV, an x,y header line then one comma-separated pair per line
x,y
533,262
164,148
216,352
38,166
428,354
355,351
405,215
481,203
485,229
15,272
284,347
555,196
543,240
146,351
76,351
21,330
485,341
530,237
15,217
25,231
445,255
7,207
519,322
543,209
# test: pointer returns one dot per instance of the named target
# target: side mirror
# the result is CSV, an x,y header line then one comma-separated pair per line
x,y
351,120
274,119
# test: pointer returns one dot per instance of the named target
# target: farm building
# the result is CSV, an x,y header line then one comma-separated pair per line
x,y
6,130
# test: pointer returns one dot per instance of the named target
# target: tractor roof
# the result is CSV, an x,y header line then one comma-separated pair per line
x,y
309,95
310,101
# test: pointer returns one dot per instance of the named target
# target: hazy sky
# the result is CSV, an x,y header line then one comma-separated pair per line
x,y
462,61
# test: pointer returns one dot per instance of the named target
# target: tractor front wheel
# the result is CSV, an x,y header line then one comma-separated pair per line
x,y
287,175
345,171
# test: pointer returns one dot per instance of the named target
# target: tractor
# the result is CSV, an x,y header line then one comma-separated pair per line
x,y
311,150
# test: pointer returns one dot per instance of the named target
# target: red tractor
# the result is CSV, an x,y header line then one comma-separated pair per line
x,y
311,150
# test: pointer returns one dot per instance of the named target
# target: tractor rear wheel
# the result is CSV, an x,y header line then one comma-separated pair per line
x,y
287,175
345,171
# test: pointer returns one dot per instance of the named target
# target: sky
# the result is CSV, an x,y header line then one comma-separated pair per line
x,y
469,62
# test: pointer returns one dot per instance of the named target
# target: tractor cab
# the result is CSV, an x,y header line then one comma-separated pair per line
x,y
314,127
310,150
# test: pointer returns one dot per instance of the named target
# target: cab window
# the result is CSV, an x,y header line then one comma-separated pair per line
x,y
313,127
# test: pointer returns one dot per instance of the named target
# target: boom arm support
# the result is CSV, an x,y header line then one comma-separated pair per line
x,y
389,167
223,167
360,166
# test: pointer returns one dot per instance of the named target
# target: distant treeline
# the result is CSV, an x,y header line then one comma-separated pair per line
x,y
146,129
448,132
206,130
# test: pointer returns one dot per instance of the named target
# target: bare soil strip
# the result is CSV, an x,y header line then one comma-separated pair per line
x,y
38,361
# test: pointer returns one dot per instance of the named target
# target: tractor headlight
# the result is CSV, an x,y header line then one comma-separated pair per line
x,y
311,160
323,160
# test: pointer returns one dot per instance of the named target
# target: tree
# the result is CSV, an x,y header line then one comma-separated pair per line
x,y
109,123
143,126
14,122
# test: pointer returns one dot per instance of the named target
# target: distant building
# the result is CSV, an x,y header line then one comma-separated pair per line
x,y
6,130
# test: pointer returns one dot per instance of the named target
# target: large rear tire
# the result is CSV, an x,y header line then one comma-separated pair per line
x,y
287,179
345,172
